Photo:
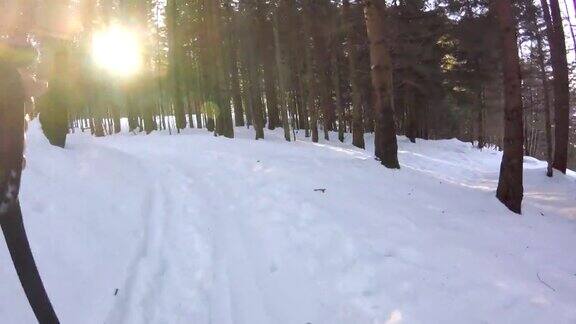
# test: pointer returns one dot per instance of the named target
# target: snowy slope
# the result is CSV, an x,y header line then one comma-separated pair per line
x,y
197,229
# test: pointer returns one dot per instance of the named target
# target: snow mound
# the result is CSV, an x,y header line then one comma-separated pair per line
x,y
191,228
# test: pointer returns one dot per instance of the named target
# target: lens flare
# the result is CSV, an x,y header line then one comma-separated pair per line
x,y
117,50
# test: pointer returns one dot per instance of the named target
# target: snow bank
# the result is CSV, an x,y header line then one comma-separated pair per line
x,y
196,229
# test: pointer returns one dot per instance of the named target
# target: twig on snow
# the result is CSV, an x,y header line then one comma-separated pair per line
x,y
544,282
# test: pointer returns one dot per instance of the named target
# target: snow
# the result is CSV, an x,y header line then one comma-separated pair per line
x,y
192,228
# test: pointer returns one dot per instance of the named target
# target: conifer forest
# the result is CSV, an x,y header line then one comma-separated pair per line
x,y
287,161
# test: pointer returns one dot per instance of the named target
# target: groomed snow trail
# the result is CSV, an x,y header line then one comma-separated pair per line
x,y
196,229
231,271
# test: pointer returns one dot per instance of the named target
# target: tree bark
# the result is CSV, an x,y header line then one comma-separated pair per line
x,y
510,186
310,69
218,88
172,12
480,117
546,91
338,94
561,90
234,71
351,47
280,64
385,137
555,33
252,71
321,48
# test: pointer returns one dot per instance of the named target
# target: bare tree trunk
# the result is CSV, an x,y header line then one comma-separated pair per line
x,y
251,71
282,80
338,93
351,43
562,91
304,112
310,79
265,46
510,185
411,119
322,63
546,91
234,72
385,137
555,33
481,108
218,88
171,15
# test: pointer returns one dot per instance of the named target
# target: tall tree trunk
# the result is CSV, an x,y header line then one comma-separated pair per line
x,y
280,64
270,90
310,69
219,80
233,67
338,93
322,60
385,137
546,91
556,39
480,117
510,186
335,72
252,70
411,114
266,50
302,97
351,47
235,79
171,15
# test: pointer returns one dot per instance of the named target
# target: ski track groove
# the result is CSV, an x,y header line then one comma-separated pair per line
x,y
138,271
233,294
146,275
229,304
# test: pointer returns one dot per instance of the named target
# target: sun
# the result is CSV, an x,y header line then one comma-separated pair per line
x,y
117,50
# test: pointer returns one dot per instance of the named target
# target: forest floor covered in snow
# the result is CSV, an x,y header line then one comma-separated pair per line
x,y
191,228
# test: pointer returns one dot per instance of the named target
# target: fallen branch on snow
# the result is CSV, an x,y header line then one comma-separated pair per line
x,y
544,282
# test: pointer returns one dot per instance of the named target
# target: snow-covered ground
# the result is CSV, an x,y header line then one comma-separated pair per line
x,y
196,229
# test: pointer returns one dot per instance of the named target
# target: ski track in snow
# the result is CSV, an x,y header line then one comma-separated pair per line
x,y
197,229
